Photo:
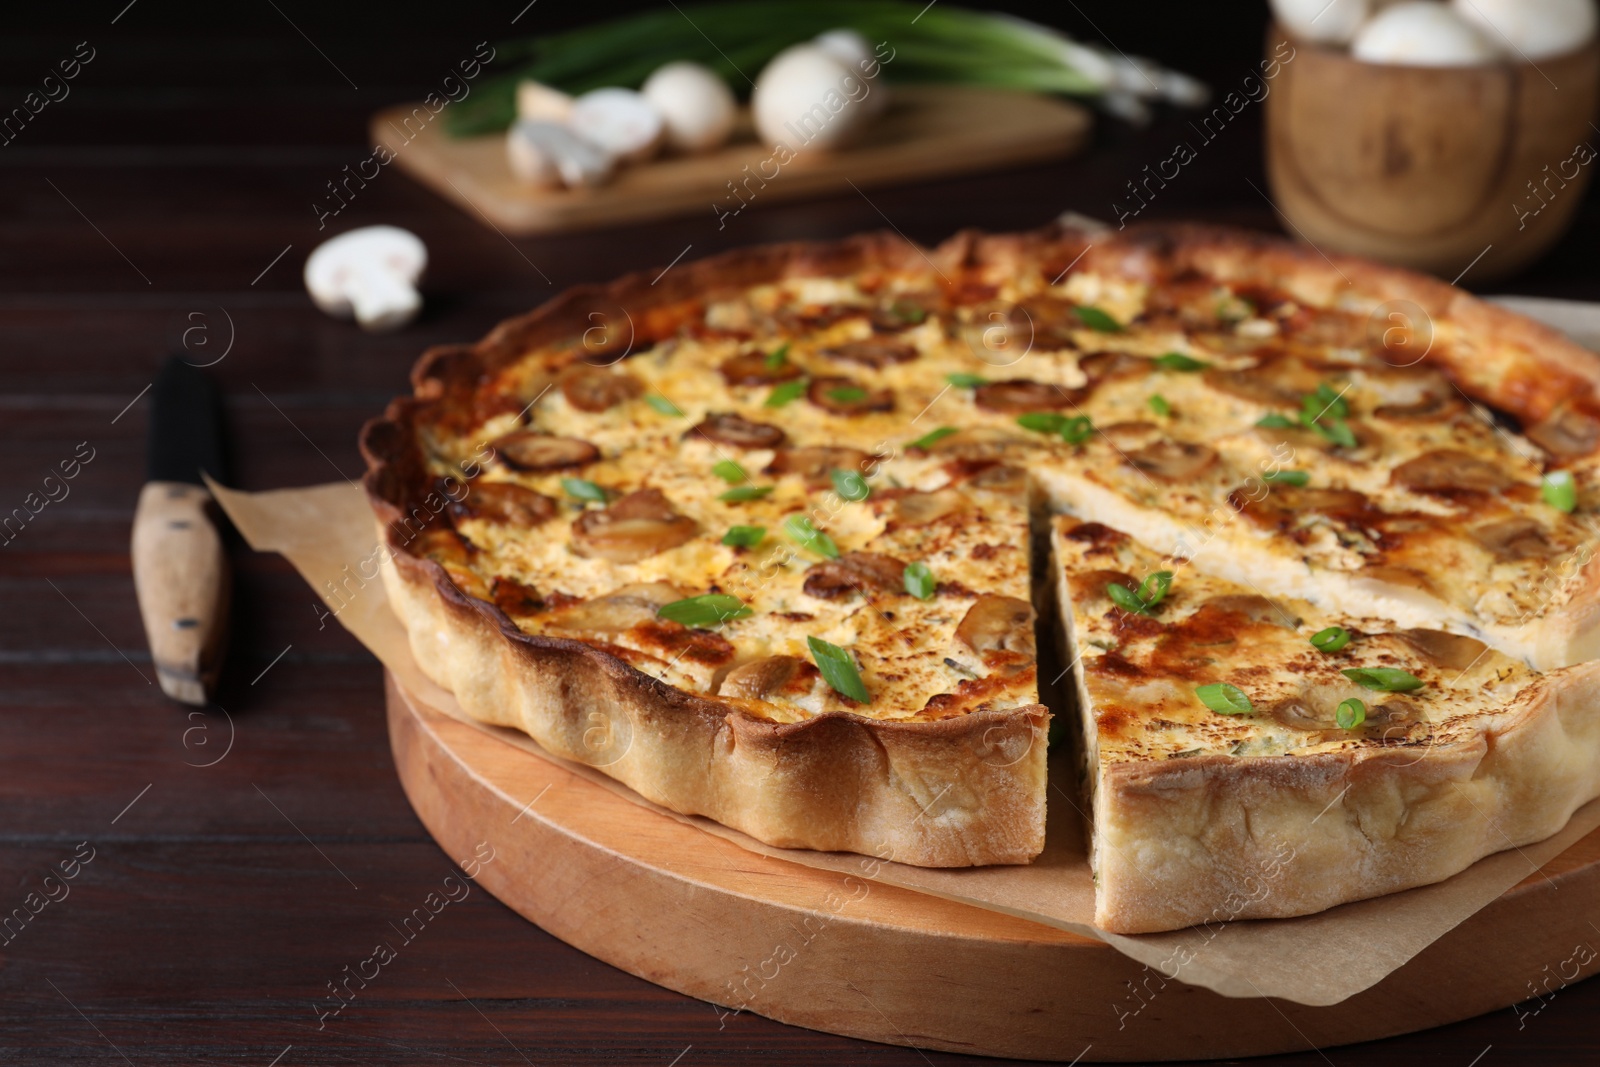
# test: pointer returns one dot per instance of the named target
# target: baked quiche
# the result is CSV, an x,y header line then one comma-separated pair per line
x,y
755,535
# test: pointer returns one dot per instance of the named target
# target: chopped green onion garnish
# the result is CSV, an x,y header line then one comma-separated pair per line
x,y
776,357
744,536
920,581
579,489
839,670
730,472
1042,421
933,437
1159,405
1351,713
1076,430
1337,431
1225,698
850,485
1096,319
1384,679
713,609
784,392
1151,591
1179,361
1275,421
1296,478
744,493
1560,491
1330,640
803,533
663,405
1328,401
850,394
966,381
907,312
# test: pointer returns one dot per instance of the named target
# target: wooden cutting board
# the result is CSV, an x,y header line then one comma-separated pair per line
x,y
695,913
928,131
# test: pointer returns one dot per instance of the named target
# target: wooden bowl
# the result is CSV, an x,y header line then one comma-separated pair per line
x,y
1426,167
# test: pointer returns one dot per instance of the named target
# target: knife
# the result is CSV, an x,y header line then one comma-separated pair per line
x,y
180,572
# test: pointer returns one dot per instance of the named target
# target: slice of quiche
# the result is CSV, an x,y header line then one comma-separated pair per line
x,y
1251,756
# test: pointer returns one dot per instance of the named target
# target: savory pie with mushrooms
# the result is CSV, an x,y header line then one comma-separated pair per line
x,y
753,537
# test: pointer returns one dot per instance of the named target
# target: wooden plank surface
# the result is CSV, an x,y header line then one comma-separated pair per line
x,y
926,132
187,158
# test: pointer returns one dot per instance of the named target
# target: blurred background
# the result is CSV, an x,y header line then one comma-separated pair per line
x,y
164,198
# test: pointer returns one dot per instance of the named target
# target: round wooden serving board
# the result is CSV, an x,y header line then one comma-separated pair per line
x,y
700,915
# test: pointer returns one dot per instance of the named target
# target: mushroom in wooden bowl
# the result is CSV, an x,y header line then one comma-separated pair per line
x,y
1442,133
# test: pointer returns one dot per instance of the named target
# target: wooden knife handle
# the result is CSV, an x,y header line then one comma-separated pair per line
x,y
181,576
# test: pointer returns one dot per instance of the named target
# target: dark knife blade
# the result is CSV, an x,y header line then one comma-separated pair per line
x,y
185,426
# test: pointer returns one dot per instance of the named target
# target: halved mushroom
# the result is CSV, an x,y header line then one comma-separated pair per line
x,y
975,442
924,509
1128,435
1456,652
730,429
1302,438
1299,713
637,526
845,396
621,609
758,368
998,629
527,450
1173,461
1566,432
1513,539
855,572
1429,409
816,463
1412,394
1050,319
1287,507
1000,478
596,389
1447,472
1018,395
504,502
1108,366
1277,383
876,353
764,679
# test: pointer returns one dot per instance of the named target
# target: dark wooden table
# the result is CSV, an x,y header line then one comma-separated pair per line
x,y
241,860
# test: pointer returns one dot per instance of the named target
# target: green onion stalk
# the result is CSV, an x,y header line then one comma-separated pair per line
x,y
937,43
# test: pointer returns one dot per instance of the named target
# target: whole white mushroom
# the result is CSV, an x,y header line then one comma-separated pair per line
x,y
371,273
1323,21
695,105
855,52
1423,34
1532,29
803,99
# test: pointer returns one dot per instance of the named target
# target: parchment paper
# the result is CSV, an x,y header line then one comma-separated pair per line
x,y
328,533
